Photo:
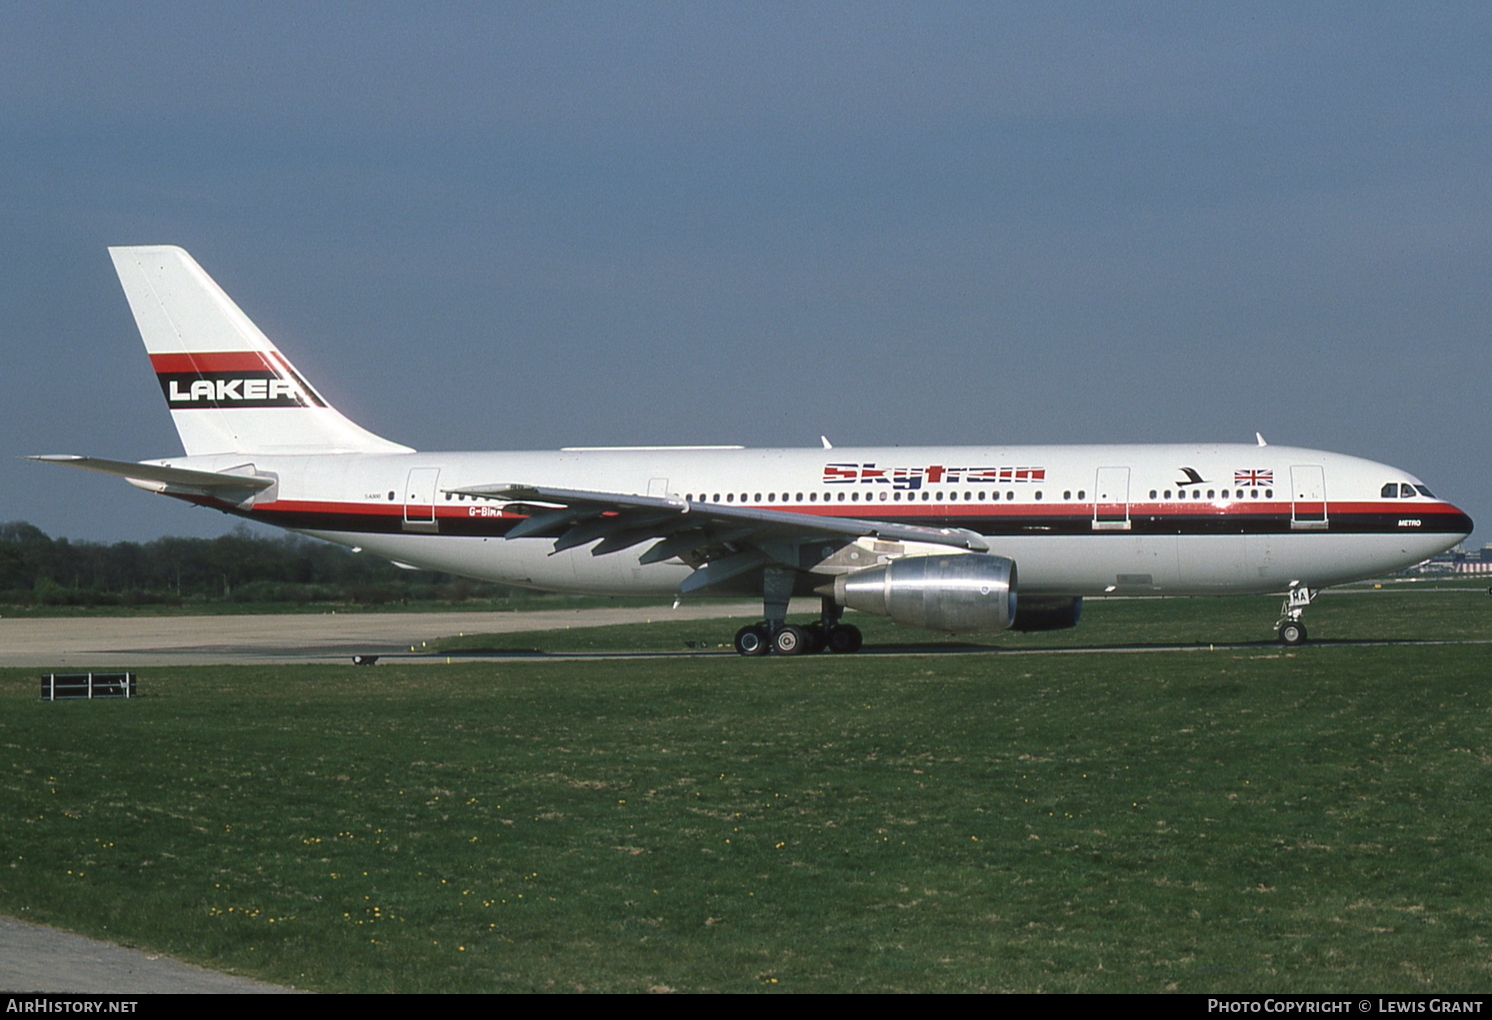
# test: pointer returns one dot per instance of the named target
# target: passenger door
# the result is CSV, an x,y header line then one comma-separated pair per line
x,y
1308,497
1111,499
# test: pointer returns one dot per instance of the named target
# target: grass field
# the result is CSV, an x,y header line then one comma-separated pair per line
x,y
1244,819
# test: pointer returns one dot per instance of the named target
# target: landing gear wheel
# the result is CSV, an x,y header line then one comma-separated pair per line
x,y
790,640
1292,633
818,638
752,640
845,638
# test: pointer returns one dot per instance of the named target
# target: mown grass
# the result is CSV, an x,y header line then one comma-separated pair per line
x,y
1247,819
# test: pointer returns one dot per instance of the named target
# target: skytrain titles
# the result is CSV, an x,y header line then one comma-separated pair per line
x,y
933,474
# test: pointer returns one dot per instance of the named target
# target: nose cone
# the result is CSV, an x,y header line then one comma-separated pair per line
x,y
1454,519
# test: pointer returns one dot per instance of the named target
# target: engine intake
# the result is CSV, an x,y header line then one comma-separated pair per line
x,y
959,593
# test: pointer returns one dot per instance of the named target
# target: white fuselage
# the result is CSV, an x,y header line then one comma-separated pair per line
x,y
1078,520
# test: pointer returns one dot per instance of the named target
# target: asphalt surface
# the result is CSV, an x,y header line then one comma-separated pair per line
x,y
34,958
58,643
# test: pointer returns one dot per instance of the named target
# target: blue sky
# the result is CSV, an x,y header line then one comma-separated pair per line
x,y
529,226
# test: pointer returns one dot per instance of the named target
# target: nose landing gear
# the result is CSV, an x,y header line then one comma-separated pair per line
x,y
1291,631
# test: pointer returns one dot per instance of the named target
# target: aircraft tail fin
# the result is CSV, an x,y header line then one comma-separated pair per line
x,y
228,387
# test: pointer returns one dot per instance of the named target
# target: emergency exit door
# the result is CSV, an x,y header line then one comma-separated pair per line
x,y
419,499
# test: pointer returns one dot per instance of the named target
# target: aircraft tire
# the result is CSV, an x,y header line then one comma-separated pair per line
x,y
1292,633
845,638
752,640
791,640
818,638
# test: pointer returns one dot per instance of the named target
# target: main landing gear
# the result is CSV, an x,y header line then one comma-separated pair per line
x,y
790,639
757,638
1291,631
776,635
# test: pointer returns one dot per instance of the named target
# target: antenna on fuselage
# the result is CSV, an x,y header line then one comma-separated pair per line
x,y
1259,436
825,440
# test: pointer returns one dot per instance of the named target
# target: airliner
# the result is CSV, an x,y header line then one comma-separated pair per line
x,y
962,539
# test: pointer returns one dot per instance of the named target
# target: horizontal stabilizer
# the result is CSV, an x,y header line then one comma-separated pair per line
x,y
208,482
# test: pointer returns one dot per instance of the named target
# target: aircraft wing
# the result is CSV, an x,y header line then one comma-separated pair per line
x,y
158,478
718,540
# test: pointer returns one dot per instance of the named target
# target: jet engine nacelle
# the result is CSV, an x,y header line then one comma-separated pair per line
x,y
960,593
1037,613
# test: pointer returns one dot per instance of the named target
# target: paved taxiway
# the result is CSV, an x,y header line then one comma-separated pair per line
x,y
34,958
130,642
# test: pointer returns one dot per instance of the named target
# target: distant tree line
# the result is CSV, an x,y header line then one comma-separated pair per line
x,y
237,567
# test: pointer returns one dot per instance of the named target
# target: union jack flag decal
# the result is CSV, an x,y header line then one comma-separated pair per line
x,y
1253,477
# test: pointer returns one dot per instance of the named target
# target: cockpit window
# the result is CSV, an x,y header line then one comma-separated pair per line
x,y
1425,492
1406,490
1390,491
